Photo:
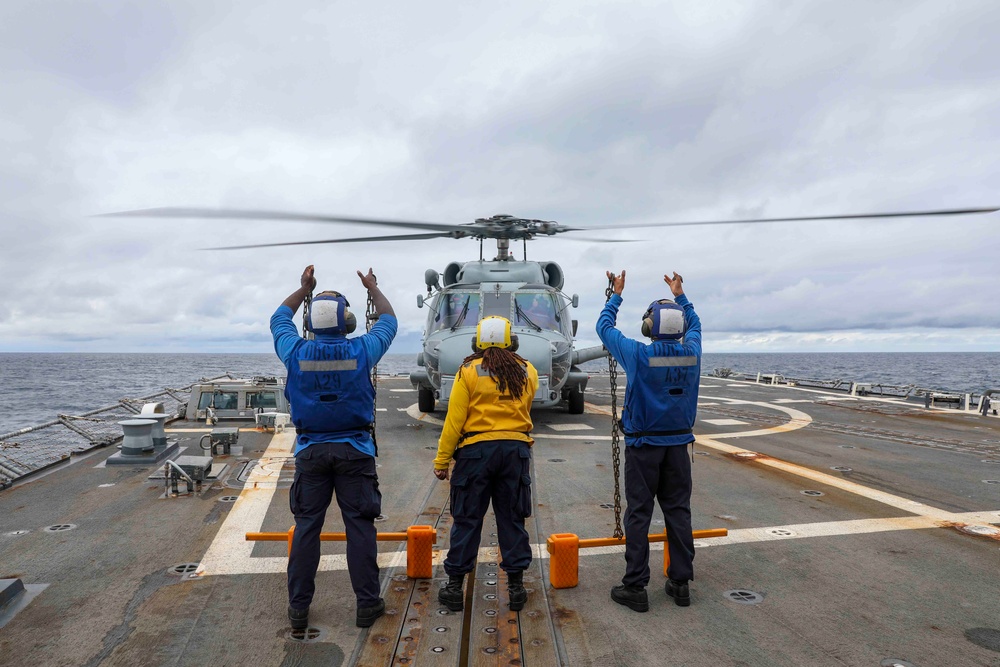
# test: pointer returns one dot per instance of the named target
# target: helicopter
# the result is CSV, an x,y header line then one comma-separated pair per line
x,y
528,293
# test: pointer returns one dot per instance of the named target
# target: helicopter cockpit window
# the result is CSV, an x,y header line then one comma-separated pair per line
x,y
535,310
496,304
457,309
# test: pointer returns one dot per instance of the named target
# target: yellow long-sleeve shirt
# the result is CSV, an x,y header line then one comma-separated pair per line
x,y
475,406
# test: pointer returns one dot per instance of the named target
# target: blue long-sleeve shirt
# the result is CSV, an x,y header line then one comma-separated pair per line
x,y
375,343
671,400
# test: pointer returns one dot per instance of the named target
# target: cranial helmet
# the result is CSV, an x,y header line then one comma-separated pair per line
x,y
663,320
494,331
329,314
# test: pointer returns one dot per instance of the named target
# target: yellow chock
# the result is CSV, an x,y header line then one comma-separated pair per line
x,y
420,542
564,560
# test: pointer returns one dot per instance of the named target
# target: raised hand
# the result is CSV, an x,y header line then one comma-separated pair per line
x,y
617,282
675,283
369,280
308,280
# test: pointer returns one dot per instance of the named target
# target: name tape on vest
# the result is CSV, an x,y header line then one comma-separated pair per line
x,y
335,365
672,362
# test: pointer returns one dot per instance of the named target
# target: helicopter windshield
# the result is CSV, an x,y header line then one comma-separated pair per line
x,y
535,310
457,309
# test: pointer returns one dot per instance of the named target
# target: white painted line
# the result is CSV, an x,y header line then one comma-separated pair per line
x,y
397,559
404,391
800,531
798,420
229,552
204,430
702,405
724,422
736,385
570,427
840,398
381,409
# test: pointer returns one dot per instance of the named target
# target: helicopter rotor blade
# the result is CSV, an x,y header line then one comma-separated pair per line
x,y
241,214
907,214
360,239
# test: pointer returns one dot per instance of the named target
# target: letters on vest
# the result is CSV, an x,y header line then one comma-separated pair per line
x,y
330,389
661,398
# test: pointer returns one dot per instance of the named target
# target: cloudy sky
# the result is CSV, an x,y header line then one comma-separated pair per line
x,y
588,113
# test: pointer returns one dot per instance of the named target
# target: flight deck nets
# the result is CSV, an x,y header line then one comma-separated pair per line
x,y
31,449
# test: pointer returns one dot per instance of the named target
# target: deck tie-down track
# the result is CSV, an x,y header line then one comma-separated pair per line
x,y
419,631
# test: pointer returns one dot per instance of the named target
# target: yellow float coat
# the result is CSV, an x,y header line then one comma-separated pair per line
x,y
475,406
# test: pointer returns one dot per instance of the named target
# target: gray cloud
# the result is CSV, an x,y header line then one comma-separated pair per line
x,y
586,115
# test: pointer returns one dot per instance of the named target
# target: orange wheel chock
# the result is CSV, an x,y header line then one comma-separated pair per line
x,y
564,553
420,551
564,560
420,541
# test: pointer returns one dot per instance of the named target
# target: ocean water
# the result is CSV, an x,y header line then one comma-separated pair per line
x,y
35,388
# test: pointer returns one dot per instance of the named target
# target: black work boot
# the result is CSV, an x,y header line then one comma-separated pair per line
x,y
450,594
367,615
678,590
515,590
299,618
633,597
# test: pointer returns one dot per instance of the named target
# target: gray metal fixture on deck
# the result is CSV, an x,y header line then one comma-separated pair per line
x,y
138,436
159,435
225,436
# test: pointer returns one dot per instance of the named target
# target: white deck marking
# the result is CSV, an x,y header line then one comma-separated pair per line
x,y
723,422
736,385
230,553
207,429
800,531
570,427
403,391
840,398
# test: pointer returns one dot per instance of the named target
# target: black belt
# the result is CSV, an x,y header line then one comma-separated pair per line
x,y
464,436
640,434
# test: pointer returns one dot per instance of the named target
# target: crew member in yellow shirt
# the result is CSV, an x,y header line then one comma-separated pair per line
x,y
487,432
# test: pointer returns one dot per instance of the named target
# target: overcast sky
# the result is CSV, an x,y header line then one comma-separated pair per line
x,y
588,113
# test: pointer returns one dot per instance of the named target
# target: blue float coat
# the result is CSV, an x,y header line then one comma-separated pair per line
x,y
341,425
663,376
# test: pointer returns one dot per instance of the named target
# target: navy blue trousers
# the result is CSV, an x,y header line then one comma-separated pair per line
x,y
497,471
662,474
320,470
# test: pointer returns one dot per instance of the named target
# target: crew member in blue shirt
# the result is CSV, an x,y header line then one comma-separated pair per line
x,y
332,401
661,401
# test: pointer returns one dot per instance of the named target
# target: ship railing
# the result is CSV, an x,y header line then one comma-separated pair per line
x,y
34,448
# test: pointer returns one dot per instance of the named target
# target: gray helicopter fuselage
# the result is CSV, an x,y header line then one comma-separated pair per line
x,y
526,293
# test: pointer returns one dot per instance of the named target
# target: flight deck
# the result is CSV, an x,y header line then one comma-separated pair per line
x,y
860,531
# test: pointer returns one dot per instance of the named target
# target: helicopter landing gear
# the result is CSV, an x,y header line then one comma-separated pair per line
x,y
425,399
575,399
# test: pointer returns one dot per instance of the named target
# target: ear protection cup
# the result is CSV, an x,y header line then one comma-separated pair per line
x,y
475,348
513,343
350,321
647,327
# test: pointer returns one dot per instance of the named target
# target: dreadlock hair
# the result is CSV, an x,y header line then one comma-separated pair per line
x,y
506,368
